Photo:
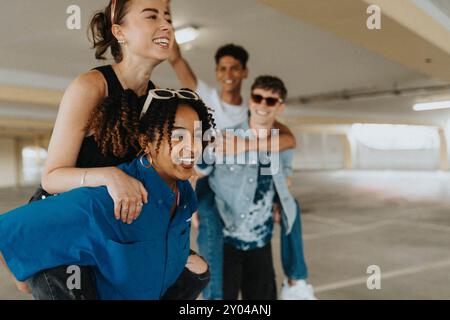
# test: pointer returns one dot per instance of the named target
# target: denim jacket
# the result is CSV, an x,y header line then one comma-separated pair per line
x,y
235,185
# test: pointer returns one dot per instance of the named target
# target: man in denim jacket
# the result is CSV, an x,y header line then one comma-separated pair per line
x,y
245,186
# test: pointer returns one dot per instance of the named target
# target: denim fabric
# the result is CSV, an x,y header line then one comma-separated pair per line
x,y
210,239
234,184
292,257
256,229
210,244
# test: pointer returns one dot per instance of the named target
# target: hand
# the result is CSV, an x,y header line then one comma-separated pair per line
x,y
231,144
128,195
195,222
23,287
276,211
196,264
175,53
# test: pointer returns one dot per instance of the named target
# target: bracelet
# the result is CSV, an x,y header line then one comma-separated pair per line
x,y
83,180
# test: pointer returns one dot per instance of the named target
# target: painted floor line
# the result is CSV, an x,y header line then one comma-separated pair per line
x,y
330,221
320,235
432,226
384,275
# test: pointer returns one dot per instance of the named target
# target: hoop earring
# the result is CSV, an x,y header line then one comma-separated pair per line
x,y
140,152
150,160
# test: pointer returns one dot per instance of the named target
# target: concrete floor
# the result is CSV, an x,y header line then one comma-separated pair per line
x,y
399,221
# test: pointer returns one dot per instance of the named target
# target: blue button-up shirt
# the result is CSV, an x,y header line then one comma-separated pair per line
x,y
137,261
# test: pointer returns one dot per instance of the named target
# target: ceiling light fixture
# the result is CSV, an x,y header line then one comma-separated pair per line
x,y
186,34
432,105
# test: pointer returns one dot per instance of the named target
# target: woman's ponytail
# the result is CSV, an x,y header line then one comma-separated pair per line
x,y
101,34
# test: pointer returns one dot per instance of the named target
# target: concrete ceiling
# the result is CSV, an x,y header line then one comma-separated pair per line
x,y
310,59
37,49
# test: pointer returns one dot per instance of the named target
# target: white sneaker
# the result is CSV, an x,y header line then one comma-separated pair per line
x,y
300,291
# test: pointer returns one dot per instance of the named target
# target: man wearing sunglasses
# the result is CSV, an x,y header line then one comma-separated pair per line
x,y
230,111
229,107
244,195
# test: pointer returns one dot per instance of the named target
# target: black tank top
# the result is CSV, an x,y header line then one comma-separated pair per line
x,y
90,155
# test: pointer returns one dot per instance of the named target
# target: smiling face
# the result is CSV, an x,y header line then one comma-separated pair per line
x,y
178,163
230,73
261,113
147,30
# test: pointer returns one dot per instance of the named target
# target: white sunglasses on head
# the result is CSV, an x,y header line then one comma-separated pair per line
x,y
166,94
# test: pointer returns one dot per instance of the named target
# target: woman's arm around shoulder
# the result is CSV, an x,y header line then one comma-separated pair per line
x,y
79,100
60,174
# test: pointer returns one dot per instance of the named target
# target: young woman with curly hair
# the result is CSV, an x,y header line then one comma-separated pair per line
x,y
139,35
129,261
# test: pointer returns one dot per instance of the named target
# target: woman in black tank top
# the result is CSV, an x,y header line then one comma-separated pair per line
x,y
119,27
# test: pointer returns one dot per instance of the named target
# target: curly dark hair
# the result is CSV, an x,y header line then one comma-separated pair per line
x,y
162,112
271,83
237,52
118,132
115,124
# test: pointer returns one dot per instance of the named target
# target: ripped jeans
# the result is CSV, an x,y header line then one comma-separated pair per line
x,y
52,285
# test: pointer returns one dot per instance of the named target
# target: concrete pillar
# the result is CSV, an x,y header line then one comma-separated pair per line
x,y
348,156
8,177
443,164
18,161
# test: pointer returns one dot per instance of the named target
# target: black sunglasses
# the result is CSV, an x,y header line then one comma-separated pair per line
x,y
270,101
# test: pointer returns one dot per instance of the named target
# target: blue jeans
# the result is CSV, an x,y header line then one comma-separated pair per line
x,y
292,257
210,243
210,239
